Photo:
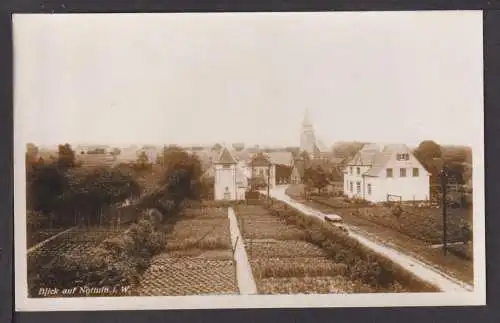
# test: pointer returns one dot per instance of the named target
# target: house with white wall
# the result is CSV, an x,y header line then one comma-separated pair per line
x,y
262,166
378,173
230,180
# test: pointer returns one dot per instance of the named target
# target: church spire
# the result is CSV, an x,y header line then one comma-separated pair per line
x,y
307,138
307,121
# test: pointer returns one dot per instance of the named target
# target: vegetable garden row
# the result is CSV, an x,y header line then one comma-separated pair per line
x,y
291,253
197,258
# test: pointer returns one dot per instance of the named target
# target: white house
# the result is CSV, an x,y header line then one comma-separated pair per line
x,y
230,180
262,166
378,173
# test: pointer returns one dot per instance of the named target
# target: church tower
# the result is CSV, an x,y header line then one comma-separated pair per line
x,y
307,137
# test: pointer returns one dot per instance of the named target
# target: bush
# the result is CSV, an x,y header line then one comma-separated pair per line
x,y
397,210
97,267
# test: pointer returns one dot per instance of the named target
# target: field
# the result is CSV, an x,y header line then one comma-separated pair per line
x,y
197,259
300,260
77,243
421,223
79,240
417,235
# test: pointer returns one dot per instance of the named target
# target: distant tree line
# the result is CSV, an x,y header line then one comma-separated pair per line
x,y
60,192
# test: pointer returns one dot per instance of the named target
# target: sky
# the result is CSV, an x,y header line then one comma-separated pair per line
x,y
248,77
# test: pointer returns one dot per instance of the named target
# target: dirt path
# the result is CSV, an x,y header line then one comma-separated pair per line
x,y
44,242
246,281
413,265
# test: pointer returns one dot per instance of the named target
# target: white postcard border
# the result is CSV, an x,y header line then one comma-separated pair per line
x,y
23,303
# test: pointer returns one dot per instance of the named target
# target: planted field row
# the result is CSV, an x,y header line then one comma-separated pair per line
x,y
322,259
176,276
197,258
310,285
77,242
268,248
205,212
282,261
255,223
422,223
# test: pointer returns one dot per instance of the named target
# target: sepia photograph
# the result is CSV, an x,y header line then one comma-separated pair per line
x,y
248,160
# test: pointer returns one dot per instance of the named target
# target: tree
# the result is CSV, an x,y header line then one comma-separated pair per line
x,y
217,147
31,153
142,163
207,188
182,174
428,152
238,146
316,177
92,190
45,185
115,152
66,157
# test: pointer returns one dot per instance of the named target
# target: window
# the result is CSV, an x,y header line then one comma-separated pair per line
x,y
350,170
389,172
350,187
227,194
358,187
261,172
402,172
403,156
415,172
358,170
369,189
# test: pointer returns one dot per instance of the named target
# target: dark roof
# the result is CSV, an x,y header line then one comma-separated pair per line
x,y
260,159
281,157
300,169
225,157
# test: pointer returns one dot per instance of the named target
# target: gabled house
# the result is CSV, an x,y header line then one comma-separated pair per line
x,y
297,173
261,166
378,173
230,182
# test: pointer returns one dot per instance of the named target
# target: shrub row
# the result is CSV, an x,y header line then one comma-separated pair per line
x,y
362,264
343,202
225,204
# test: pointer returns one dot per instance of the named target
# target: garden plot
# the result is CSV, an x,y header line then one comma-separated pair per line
x,y
176,276
309,285
199,234
320,260
80,241
197,260
422,223
282,262
256,223
269,248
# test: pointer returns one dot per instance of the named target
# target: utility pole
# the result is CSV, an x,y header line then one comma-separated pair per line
x,y
444,184
268,180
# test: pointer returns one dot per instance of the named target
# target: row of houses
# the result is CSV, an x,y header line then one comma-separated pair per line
x,y
376,173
